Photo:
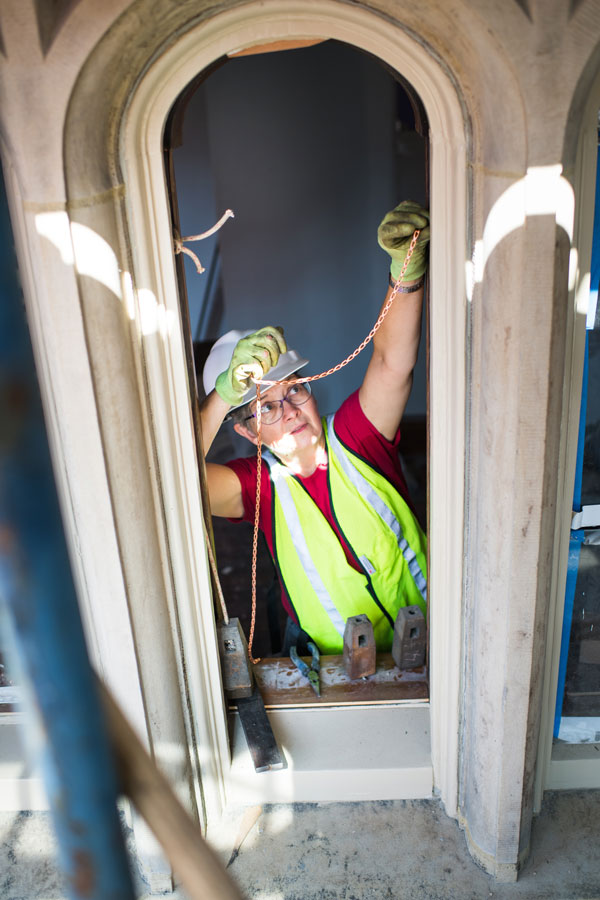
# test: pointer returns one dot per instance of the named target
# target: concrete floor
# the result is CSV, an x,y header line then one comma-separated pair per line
x,y
396,850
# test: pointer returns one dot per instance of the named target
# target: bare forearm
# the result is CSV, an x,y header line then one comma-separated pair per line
x,y
388,379
224,488
396,344
213,410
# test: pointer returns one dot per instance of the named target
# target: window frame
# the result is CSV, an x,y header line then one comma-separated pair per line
x,y
154,310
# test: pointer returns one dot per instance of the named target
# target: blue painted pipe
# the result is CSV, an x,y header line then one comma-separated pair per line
x,y
36,584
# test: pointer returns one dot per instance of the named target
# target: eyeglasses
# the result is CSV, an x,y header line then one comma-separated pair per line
x,y
272,410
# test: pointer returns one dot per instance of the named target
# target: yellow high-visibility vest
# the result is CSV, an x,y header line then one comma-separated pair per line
x,y
379,527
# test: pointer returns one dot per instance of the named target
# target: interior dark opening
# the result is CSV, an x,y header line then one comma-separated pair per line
x,y
310,148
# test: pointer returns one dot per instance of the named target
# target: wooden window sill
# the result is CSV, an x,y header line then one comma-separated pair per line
x,y
282,685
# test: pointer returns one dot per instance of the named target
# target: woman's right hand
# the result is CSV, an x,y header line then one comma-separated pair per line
x,y
252,357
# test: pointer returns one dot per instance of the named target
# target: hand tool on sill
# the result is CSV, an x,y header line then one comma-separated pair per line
x,y
410,638
359,648
312,672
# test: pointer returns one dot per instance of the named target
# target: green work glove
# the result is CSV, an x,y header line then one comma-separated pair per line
x,y
253,356
395,234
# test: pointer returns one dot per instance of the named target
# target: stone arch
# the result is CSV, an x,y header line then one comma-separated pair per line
x,y
113,136
585,96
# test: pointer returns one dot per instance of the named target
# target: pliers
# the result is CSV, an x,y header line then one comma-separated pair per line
x,y
311,673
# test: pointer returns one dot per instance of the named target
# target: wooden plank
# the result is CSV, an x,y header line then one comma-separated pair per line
x,y
195,862
276,47
282,685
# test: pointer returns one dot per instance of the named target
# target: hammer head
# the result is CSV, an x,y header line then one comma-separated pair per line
x,y
238,677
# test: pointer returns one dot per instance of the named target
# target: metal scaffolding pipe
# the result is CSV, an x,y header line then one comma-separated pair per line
x,y
36,585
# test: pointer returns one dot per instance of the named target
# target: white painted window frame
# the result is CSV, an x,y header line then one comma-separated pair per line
x,y
572,766
154,308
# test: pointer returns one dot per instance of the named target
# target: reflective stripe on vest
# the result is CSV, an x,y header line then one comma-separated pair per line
x,y
379,505
279,476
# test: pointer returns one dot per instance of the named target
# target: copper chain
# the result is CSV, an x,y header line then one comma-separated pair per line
x,y
331,371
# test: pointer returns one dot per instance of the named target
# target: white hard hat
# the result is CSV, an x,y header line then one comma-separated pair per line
x,y
220,356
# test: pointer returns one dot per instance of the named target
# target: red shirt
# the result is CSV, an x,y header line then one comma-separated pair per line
x,y
355,430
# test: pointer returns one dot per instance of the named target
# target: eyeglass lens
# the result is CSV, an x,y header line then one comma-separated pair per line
x,y
272,410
